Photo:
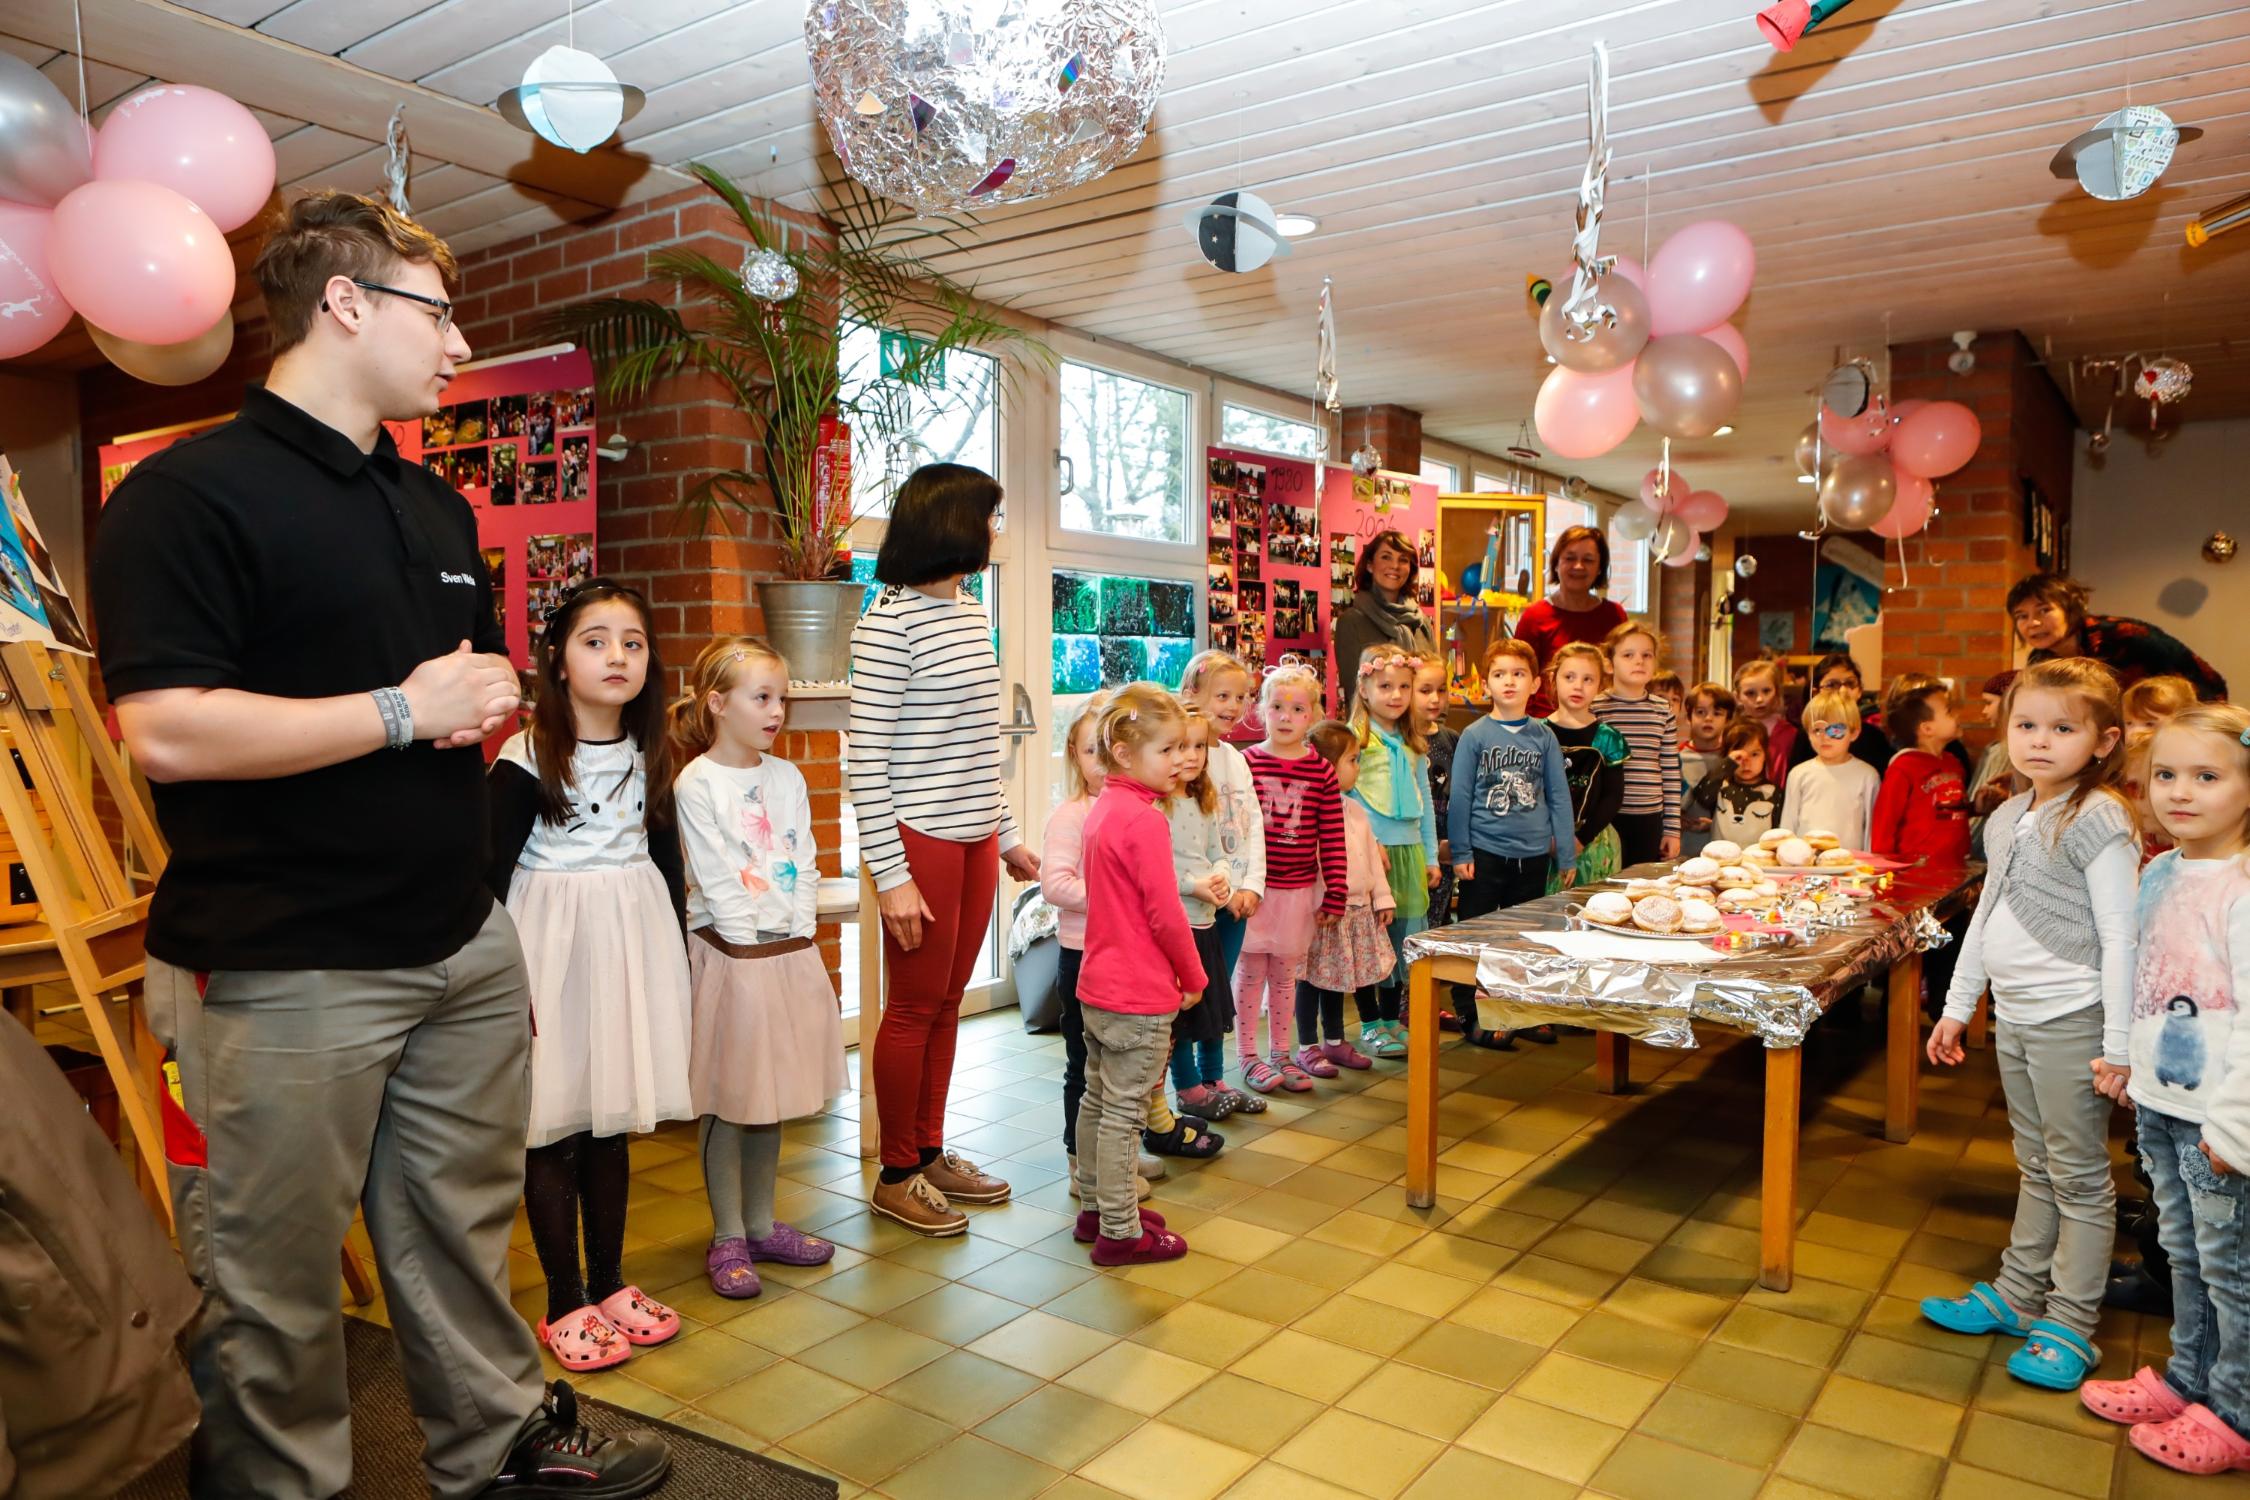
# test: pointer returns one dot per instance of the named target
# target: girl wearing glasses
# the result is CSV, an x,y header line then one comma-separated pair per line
x,y
1833,792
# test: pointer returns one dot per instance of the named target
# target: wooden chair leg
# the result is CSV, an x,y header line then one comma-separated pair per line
x,y
1610,1061
356,1280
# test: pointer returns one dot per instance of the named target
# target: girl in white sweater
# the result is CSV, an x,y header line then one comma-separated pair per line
x,y
1219,686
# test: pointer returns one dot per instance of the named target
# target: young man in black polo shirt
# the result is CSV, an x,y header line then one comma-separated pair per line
x,y
298,632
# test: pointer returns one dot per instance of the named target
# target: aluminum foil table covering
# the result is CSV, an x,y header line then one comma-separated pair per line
x,y
1774,993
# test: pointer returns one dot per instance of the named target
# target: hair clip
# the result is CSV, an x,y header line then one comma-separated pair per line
x,y
2245,738
1132,716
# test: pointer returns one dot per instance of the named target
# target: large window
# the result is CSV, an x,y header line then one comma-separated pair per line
x,y
954,418
1492,484
1124,455
1243,427
1444,475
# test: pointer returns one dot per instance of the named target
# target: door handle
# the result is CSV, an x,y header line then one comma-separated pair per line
x,y
1022,722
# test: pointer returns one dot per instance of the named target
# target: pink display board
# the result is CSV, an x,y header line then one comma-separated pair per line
x,y
1355,510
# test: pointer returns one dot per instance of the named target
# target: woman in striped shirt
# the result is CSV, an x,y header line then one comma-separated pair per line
x,y
1648,822
934,824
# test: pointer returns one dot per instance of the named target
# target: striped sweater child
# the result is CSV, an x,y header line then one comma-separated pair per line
x,y
1652,775
1304,816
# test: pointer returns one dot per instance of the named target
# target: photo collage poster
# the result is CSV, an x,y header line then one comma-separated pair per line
x,y
1355,509
1263,568
34,603
516,438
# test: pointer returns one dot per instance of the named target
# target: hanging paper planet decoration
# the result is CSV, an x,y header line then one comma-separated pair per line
x,y
1236,232
1366,459
2162,382
2124,154
2219,547
570,99
767,275
944,105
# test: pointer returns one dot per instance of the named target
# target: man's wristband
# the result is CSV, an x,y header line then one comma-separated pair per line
x,y
398,718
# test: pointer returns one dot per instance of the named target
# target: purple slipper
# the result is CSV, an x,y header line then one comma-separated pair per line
x,y
728,1265
791,1246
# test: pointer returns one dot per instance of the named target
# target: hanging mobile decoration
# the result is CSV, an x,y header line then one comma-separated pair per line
x,y
2163,381
1584,312
2219,547
767,274
570,98
2124,154
1326,387
397,161
944,105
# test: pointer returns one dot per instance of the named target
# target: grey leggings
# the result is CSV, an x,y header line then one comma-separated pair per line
x,y
739,1165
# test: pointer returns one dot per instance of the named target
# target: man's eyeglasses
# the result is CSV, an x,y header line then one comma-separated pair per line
x,y
444,308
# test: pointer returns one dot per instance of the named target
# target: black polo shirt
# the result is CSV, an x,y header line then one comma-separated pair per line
x,y
272,556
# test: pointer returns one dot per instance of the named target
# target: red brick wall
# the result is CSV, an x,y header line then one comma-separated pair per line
x,y
1945,613
1683,605
1395,431
698,585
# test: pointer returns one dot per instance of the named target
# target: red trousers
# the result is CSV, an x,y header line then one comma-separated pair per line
x,y
922,995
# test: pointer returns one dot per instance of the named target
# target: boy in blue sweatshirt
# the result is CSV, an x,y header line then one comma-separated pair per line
x,y
1509,815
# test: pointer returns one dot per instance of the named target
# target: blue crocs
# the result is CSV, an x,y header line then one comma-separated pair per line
x,y
1983,1310
2054,1357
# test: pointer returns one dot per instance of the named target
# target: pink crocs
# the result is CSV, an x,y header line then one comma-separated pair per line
x,y
640,1317
2194,1442
584,1340
2144,1398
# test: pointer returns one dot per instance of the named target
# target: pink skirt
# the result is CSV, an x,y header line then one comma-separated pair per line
x,y
1354,952
1283,923
769,1038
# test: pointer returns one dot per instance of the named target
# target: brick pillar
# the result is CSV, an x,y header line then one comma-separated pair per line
x,y
1944,611
1682,609
1395,432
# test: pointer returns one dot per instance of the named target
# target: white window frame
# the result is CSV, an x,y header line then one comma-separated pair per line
x,y
1221,406
1100,551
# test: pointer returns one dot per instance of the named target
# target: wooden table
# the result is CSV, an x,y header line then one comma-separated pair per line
x,y
1832,967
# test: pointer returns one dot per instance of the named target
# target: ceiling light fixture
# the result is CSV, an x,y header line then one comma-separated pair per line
x,y
1725,431
1804,479
1296,226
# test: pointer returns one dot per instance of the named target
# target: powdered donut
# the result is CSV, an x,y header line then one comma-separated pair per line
x,y
1657,914
1795,853
1609,908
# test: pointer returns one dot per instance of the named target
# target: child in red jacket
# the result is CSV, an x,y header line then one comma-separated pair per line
x,y
1922,810
1140,968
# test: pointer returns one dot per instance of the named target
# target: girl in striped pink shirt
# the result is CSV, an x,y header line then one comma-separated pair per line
x,y
1303,810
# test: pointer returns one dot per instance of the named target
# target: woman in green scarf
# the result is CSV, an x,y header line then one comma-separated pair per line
x,y
1385,609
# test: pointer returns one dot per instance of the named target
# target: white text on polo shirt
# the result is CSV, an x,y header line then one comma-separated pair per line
x,y
456,578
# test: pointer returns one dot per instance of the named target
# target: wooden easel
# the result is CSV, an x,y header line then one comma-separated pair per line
x,y
93,923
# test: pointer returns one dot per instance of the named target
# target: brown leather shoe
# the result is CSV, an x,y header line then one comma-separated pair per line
x,y
962,1181
917,1205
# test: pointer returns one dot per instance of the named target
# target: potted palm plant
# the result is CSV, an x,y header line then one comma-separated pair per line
x,y
781,358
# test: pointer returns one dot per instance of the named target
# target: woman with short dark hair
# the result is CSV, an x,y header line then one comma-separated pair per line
x,y
934,824
2048,611
1838,672
1575,611
1385,608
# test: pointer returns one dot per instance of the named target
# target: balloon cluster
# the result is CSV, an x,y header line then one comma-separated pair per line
x,y
125,226
1666,356
1875,470
1673,515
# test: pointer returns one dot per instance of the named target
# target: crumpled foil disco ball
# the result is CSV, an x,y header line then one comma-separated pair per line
x,y
949,104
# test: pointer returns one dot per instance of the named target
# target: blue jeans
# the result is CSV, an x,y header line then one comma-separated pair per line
x,y
2203,1222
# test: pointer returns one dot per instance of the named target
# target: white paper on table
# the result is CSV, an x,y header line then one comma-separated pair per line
x,y
1632,949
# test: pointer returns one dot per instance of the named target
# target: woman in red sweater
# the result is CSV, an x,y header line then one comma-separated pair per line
x,y
1140,968
1579,564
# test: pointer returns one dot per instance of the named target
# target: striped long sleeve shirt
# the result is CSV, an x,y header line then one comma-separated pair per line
x,y
1304,812
1652,776
925,729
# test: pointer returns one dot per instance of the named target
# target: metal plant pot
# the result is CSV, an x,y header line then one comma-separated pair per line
x,y
810,624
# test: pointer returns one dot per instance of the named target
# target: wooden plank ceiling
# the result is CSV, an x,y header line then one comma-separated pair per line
x,y
1892,171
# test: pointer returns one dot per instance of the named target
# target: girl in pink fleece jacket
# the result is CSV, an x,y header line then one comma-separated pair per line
x,y
1140,968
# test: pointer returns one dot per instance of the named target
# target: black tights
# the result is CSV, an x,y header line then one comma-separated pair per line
x,y
584,1172
1320,1015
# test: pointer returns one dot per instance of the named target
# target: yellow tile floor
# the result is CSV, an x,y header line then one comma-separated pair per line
x,y
1577,1316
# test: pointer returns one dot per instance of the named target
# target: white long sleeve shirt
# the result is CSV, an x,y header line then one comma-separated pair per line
x,y
2030,984
2190,1044
753,870
1837,798
925,729
1242,826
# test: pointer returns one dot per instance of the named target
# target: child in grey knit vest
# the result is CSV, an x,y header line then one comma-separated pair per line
x,y
2054,937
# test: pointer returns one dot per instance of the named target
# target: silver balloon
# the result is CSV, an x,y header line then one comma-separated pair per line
x,y
1687,386
1672,537
44,149
1858,491
1808,448
949,104
183,363
1745,566
1632,522
1745,606
1607,346
767,275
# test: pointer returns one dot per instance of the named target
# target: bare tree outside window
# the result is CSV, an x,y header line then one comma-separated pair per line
x,y
957,422
1243,427
1125,451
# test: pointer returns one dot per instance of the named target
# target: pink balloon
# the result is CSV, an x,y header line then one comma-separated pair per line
x,y
1936,440
1584,416
32,309
1910,512
195,141
1865,433
1729,338
141,261
1699,277
1685,556
1705,510
1901,410
1660,502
